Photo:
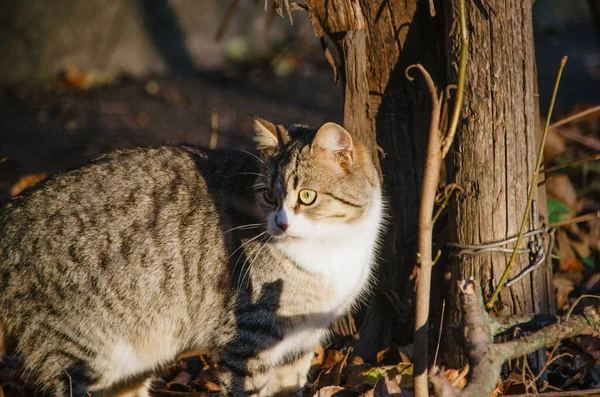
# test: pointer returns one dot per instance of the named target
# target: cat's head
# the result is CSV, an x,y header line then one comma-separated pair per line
x,y
314,183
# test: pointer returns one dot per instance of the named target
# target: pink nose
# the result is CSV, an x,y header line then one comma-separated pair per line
x,y
282,225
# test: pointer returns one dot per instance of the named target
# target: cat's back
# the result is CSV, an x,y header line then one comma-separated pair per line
x,y
121,223
121,189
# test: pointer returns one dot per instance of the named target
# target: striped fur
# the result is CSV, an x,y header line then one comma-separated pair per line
x,y
110,271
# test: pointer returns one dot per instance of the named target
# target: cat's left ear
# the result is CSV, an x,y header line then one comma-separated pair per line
x,y
334,142
266,135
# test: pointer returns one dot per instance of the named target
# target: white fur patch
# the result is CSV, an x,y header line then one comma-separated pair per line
x,y
126,359
343,253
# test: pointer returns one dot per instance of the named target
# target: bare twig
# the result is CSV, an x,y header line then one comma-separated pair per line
x,y
591,392
576,116
579,219
437,348
431,8
433,163
226,19
558,167
532,189
214,134
574,135
464,45
448,193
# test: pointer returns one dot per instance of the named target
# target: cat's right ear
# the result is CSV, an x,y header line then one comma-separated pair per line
x,y
266,135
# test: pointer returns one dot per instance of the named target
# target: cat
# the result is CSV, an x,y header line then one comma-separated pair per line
x,y
110,271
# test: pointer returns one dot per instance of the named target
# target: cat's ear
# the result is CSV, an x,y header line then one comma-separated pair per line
x,y
335,143
266,134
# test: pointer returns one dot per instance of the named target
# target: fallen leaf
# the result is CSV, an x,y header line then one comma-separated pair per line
x,y
452,374
563,287
319,357
568,258
389,356
555,145
557,210
332,358
180,382
329,391
24,182
72,77
403,370
561,188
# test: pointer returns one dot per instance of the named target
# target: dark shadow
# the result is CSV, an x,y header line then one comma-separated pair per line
x,y
165,32
402,131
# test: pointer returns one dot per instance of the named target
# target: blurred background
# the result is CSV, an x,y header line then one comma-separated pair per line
x,y
82,77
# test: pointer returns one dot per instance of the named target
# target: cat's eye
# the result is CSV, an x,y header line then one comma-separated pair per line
x,y
307,196
269,196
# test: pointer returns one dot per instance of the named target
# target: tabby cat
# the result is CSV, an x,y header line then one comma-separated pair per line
x,y
110,271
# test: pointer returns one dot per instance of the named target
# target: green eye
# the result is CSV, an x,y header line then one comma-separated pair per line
x,y
307,196
269,196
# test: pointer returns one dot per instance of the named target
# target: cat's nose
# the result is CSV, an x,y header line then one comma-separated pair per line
x,y
283,225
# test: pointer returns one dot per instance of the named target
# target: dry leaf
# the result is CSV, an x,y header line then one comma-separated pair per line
x,y
563,287
568,258
180,382
319,356
561,188
331,359
452,374
555,145
328,391
24,182
513,384
389,356
74,78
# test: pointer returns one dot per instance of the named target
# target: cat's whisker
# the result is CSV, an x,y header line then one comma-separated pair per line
x,y
255,156
245,227
253,173
245,273
244,244
264,244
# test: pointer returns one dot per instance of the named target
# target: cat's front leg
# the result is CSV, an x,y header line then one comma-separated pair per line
x,y
291,377
286,379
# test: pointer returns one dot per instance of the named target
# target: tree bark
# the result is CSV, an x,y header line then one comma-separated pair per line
x,y
395,114
494,156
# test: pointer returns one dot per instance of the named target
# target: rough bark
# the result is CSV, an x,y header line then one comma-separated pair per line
x,y
494,155
396,116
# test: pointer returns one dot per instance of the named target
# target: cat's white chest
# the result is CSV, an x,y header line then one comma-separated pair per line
x,y
345,259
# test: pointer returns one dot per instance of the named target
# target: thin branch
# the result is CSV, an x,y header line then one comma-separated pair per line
x,y
444,204
433,163
591,392
558,167
462,61
532,189
437,348
588,141
576,116
431,8
226,19
579,219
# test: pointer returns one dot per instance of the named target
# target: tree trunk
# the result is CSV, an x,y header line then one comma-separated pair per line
x,y
494,156
380,102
